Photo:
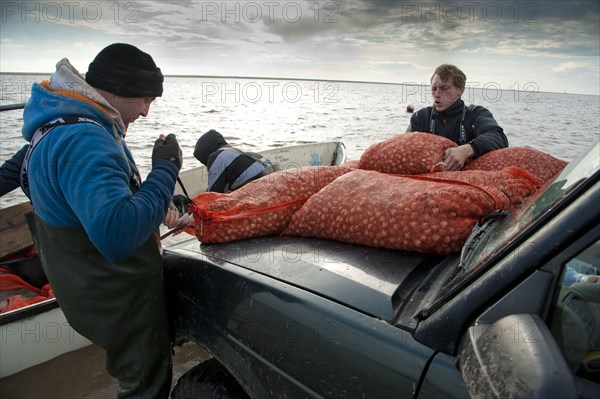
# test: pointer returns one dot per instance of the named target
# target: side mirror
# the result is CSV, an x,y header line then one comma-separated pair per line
x,y
516,357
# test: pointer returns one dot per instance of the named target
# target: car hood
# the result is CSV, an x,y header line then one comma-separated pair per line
x,y
374,281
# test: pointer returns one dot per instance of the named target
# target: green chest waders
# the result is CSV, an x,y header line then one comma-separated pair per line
x,y
120,307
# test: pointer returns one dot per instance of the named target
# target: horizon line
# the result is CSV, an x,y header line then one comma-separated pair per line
x,y
300,79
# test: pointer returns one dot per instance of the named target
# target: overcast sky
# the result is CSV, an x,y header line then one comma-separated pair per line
x,y
531,45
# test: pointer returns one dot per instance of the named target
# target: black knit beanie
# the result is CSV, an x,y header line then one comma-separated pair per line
x,y
126,71
208,143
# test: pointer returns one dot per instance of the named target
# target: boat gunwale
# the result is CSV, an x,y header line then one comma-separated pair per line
x,y
28,311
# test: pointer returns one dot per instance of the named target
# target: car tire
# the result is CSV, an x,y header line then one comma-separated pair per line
x,y
208,380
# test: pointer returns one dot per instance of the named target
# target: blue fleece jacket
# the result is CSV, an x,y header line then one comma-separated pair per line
x,y
79,176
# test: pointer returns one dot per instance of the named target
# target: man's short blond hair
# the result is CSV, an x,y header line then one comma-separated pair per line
x,y
448,72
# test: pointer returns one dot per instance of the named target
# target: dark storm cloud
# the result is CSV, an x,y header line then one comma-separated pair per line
x,y
542,28
554,28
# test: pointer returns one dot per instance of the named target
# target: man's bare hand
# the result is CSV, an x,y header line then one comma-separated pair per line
x,y
171,218
455,157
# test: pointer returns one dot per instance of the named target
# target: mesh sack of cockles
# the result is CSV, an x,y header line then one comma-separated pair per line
x,y
352,164
514,182
260,208
409,153
541,164
412,213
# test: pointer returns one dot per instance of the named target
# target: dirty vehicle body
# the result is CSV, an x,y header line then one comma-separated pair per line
x,y
291,317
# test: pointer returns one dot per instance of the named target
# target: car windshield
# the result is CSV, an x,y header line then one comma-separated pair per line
x,y
520,219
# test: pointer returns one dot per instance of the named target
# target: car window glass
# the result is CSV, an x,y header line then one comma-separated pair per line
x,y
575,323
531,211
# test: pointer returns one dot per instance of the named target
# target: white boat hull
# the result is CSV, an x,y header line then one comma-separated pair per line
x,y
33,340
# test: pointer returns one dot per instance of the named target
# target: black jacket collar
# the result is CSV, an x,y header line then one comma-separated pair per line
x,y
453,110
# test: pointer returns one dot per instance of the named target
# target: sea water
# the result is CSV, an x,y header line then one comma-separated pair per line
x,y
258,114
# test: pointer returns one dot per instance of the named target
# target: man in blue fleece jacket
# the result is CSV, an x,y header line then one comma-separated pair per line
x,y
95,222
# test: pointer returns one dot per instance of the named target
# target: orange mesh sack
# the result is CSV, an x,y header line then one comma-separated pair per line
x,y
19,293
409,153
353,164
411,213
515,183
539,163
260,208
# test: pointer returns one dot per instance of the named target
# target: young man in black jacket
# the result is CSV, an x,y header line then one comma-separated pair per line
x,y
472,127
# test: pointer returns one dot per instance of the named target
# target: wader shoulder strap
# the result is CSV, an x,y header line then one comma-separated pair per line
x,y
39,135
462,138
270,167
232,171
135,180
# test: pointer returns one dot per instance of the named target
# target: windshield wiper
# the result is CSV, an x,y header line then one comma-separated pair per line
x,y
478,231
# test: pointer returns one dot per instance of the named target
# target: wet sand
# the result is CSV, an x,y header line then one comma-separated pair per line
x,y
81,375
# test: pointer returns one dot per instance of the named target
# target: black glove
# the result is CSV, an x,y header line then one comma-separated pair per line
x,y
168,149
181,203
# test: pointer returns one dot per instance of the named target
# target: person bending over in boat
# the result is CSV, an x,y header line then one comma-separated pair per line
x,y
95,222
228,167
472,127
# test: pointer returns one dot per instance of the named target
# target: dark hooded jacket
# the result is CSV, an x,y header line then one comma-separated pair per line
x,y
480,128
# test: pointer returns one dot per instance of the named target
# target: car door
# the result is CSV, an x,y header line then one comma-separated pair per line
x,y
574,317
555,353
